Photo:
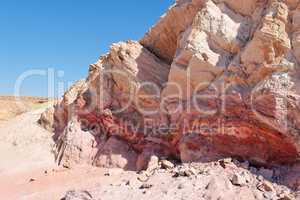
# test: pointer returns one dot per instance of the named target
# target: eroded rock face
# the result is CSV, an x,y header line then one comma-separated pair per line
x,y
116,153
76,146
162,38
212,78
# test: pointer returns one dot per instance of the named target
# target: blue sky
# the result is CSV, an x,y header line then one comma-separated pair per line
x,y
65,35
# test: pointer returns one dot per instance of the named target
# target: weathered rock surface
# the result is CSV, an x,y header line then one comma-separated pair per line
x,y
78,195
76,146
208,181
162,38
116,154
213,78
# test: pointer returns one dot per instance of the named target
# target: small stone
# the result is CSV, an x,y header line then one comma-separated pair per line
x,y
167,164
238,180
143,178
153,164
161,170
260,178
236,162
245,165
266,187
253,170
185,172
146,186
31,180
246,175
269,195
190,171
73,195
266,173
134,183
175,173
225,161
180,186
286,197
181,172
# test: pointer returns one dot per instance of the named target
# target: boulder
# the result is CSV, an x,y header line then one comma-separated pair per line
x,y
75,146
47,119
212,79
116,154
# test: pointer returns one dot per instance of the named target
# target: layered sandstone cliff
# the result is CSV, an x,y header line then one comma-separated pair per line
x,y
212,78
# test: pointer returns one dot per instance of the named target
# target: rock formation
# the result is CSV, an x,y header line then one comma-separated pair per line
x,y
213,78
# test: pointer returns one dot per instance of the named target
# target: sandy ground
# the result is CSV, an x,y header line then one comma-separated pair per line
x,y
27,166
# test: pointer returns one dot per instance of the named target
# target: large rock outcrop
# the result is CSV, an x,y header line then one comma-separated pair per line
x,y
212,78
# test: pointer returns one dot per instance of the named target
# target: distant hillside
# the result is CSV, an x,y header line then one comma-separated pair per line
x,y
10,108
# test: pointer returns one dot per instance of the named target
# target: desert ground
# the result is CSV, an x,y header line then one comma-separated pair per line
x,y
11,106
27,168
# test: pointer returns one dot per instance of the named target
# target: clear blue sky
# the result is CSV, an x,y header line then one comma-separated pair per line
x,y
65,35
